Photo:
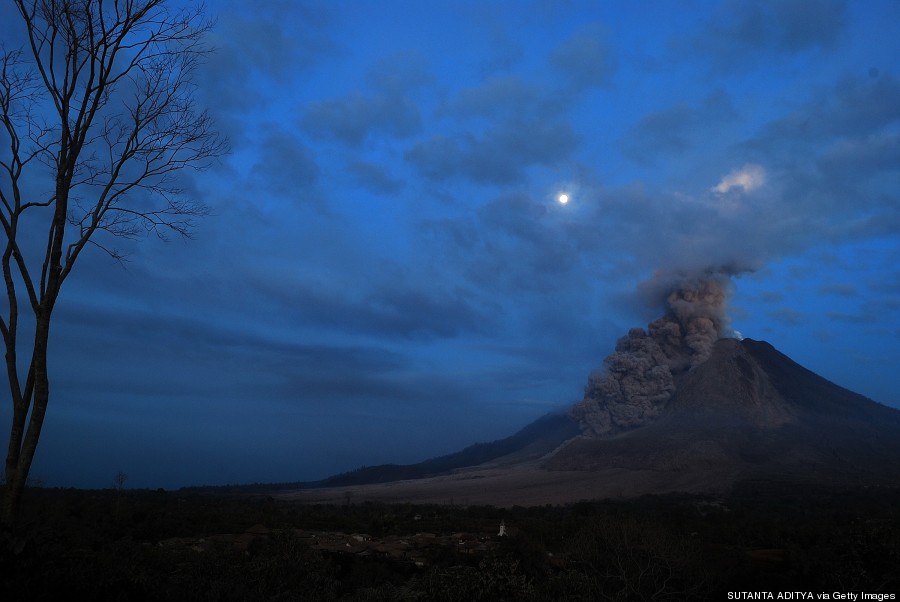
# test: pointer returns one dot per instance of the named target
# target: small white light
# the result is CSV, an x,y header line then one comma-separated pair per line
x,y
563,198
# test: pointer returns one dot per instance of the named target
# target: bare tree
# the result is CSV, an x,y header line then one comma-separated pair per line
x,y
98,117
119,480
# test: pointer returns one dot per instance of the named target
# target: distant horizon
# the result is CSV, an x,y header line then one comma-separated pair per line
x,y
564,409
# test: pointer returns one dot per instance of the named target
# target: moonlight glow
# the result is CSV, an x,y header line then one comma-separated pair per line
x,y
563,198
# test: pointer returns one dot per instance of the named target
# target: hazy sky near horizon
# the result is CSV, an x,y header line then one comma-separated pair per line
x,y
387,274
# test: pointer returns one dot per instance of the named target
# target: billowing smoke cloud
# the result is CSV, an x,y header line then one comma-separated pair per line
x,y
639,377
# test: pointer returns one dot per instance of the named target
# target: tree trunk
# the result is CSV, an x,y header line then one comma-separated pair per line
x,y
83,55
21,455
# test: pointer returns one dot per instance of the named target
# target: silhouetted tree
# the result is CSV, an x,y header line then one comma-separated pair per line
x,y
98,115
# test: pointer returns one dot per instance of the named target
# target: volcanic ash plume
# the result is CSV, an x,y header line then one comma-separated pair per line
x,y
638,378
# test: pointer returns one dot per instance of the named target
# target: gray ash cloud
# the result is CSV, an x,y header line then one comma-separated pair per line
x,y
639,377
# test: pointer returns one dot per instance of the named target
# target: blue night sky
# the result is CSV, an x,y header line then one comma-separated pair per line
x,y
387,274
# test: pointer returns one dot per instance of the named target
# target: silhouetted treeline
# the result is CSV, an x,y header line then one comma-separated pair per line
x,y
157,545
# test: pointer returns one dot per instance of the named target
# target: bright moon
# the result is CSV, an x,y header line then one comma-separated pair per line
x,y
563,198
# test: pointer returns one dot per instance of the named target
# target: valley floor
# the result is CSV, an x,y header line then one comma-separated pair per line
x,y
525,484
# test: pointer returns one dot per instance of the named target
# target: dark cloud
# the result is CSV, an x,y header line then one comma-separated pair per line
x,y
392,307
418,312
799,273
785,315
835,155
259,52
840,290
286,165
523,246
677,128
503,54
881,307
399,73
388,108
200,363
258,46
357,389
518,244
853,107
221,357
501,155
353,118
742,33
840,316
673,231
807,26
497,96
824,336
863,157
374,177
520,254
890,285
586,58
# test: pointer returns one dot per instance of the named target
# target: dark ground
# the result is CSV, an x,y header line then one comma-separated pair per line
x,y
157,545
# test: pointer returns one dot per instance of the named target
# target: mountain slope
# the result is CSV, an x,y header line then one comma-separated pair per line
x,y
533,441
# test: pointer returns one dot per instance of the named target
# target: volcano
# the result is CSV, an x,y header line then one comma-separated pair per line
x,y
745,412
750,411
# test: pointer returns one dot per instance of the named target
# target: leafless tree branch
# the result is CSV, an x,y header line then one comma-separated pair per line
x,y
102,98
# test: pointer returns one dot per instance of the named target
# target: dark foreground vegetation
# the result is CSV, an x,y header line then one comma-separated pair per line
x,y
157,545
